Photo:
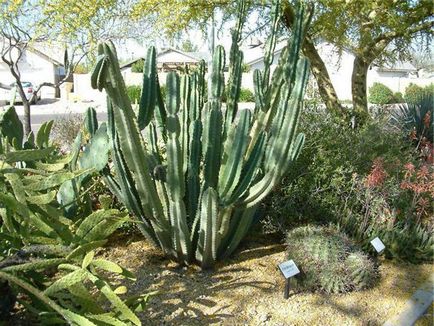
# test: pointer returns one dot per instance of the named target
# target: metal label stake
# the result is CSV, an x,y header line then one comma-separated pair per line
x,y
288,270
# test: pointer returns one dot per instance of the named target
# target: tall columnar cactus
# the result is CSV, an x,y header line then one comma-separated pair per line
x,y
197,197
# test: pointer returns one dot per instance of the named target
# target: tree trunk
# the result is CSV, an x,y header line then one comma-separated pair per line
x,y
358,88
325,86
319,69
26,106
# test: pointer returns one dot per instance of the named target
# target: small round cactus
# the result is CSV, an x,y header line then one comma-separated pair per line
x,y
329,261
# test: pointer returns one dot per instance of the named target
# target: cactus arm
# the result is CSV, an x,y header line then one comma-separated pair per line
x,y
235,68
91,121
217,74
271,43
259,93
127,192
206,251
160,114
132,144
213,148
175,178
193,171
241,230
235,149
250,170
149,90
185,122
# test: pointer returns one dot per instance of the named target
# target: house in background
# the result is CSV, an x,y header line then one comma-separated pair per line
x,y
37,65
396,76
169,59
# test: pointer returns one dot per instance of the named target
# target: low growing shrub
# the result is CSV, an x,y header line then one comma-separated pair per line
x,y
380,94
329,261
138,66
133,92
413,93
246,95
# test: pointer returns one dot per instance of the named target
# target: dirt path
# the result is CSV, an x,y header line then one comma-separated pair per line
x,y
247,290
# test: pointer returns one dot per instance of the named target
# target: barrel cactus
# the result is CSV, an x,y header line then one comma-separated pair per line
x,y
190,170
329,261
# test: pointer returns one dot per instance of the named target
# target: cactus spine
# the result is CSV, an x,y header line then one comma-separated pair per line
x,y
199,201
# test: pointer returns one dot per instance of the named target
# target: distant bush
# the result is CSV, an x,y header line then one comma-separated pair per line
x,y
413,93
133,92
246,95
138,66
398,97
329,261
380,94
245,68
81,69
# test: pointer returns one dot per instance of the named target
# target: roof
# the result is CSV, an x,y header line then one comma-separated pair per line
x,y
401,66
48,51
45,56
189,57
253,55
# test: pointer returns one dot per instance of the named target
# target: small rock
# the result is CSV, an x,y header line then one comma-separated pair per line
x,y
264,317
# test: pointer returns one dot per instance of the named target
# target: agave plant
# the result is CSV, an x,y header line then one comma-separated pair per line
x,y
198,200
417,117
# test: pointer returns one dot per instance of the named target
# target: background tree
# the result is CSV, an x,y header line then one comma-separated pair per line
x,y
372,30
76,25
188,46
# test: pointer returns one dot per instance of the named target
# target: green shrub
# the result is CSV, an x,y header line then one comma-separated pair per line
x,y
138,66
133,92
328,182
398,97
246,95
329,261
413,93
380,94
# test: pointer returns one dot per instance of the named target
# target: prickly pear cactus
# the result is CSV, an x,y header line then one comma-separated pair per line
x,y
197,196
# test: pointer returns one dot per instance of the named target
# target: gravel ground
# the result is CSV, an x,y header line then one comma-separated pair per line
x,y
248,290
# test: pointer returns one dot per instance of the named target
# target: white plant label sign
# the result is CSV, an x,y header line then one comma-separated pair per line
x,y
378,244
289,268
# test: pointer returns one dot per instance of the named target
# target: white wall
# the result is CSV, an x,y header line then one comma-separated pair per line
x,y
33,69
84,91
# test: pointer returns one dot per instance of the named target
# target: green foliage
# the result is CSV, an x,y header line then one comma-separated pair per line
x,y
246,95
245,68
416,118
380,94
398,97
413,93
48,256
133,92
198,196
331,182
138,66
81,69
329,261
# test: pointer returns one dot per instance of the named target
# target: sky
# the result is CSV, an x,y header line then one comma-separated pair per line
x,y
131,49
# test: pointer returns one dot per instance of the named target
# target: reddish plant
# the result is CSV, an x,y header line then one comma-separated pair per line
x,y
378,174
